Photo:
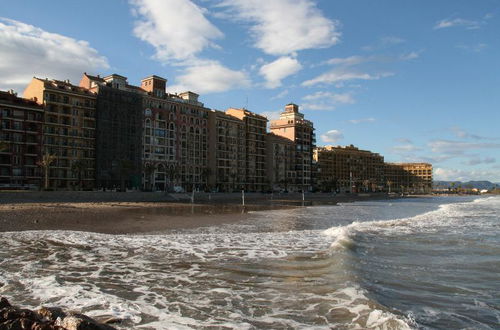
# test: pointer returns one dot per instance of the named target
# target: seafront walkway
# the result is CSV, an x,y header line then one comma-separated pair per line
x,y
11,197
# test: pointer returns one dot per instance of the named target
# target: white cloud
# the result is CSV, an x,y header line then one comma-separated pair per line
x,y
281,27
349,61
474,48
448,23
210,77
177,29
332,136
447,174
459,147
384,42
404,140
338,75
405,148
334,97
361,120
461,133
27,51
281,68
271,115
478,160
326,100
280,95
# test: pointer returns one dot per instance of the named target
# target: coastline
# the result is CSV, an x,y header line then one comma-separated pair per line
x,y
140,212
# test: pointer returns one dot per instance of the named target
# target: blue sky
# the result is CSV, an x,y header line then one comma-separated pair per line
x,y
412,80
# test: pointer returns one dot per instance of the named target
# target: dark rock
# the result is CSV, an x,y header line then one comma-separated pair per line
x,y
17,324
111,320
75,321
4,302
50,313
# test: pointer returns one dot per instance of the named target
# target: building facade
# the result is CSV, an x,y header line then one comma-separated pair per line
x,y
292,126
348,169
408,177
68,131
21,130
175,142
255,149
280,162
118,131
227,152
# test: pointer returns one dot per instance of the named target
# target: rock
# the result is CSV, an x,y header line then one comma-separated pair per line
x,y
4,302
17,324
111,320
81,322
50,313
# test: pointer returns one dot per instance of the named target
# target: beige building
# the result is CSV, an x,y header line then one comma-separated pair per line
x,y
227,152
69,130
408,177
292,126
255,148
348,169
280,162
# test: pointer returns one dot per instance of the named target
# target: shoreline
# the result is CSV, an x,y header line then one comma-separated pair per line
x,y
140,213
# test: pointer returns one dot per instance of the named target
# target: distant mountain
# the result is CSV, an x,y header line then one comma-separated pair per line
x,y
470,184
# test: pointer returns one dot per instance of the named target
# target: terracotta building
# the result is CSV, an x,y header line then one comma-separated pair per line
x,y
348,169
294,127
175,141
20,142
255,148
68,131
409,177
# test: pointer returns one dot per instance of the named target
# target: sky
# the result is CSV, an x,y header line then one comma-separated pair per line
x,y
416,81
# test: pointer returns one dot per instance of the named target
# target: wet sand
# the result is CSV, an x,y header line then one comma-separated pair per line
x,y
119,214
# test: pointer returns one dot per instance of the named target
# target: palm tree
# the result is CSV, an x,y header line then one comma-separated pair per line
x,y
233,176
3,145
149,170
173,172
44,163
206,172
125,169
78,168
389,182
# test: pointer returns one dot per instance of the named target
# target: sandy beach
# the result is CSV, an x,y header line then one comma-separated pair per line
x,y
143,212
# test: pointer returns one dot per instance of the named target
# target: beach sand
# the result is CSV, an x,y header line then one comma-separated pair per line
x,y
126,213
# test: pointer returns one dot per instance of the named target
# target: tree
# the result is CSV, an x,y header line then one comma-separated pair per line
x,y
206,172
125,168
44,163
149,170
173,172
233,174
3,145
78,168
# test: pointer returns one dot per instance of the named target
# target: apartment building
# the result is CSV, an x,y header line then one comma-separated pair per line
x,y
280,164
408,177
255,148
348,169
175,138
118,132
227,152
68,131
20,142
292,126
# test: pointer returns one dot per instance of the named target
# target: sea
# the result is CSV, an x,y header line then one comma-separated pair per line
x,y
411,263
